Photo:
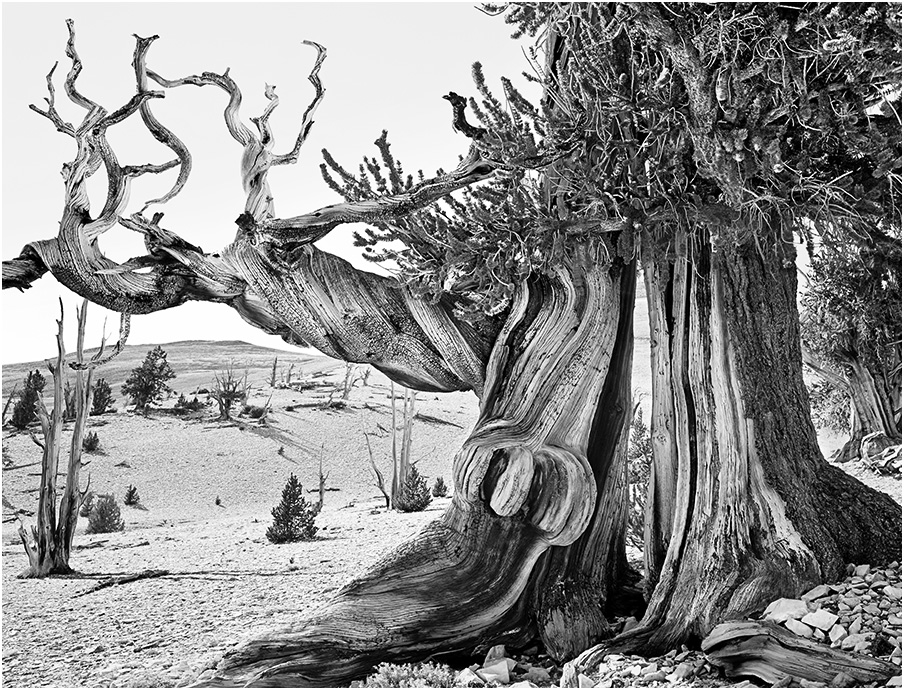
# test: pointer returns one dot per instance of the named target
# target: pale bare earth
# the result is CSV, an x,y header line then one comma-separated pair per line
x,y
226,579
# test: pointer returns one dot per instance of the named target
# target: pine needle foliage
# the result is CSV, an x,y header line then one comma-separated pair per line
x,y
293,518
102,397
105,516
741,117
440,490
24,410
414,495
131,498
147,383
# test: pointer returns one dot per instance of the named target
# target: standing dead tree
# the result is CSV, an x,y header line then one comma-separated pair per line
x,y
534,314
48,544
229,389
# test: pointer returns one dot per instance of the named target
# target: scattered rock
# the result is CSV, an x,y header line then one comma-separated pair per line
x,y
821,619
781,610
469,679
818,592
496,671
798,628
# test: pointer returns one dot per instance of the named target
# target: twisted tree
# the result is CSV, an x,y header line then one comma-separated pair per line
x,y
521,290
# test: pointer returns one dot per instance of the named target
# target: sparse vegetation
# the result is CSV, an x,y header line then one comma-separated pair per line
x,y
229,389
423,675
440,490
24,410
293,518
185,405
91,442
414,496
131,498
147,383
105,516
102,399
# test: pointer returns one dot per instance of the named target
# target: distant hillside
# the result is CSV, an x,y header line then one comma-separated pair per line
x,y
195,363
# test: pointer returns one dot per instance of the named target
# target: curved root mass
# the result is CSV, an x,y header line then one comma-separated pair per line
x,y
455,585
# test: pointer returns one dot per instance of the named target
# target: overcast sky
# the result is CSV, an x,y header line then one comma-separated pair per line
x,y
388,64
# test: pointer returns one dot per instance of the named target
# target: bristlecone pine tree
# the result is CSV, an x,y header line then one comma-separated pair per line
x,y
147,383
105,516
293,518
440,490
25,408
414,494
131,497
699,143
102,400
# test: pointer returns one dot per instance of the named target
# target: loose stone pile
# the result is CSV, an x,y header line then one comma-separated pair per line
x,y
862,614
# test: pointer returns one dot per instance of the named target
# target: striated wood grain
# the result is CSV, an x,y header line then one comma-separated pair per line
x,y
773,654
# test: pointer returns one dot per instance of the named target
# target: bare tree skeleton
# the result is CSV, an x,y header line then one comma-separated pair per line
x,y
271,273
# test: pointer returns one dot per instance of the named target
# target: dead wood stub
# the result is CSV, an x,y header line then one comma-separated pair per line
x,y
769,652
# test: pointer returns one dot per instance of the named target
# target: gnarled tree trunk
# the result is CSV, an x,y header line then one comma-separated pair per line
x,y
537,513
744,509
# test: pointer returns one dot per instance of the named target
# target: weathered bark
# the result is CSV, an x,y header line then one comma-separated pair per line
x,y
758,513
772,654
49,543
525,482
873,402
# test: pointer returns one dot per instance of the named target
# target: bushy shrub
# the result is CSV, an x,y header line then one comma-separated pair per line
x,y
425,675
440,490
414,496
131,498
105,516
91,442
24,411
147,383
293,518
193,405
101,398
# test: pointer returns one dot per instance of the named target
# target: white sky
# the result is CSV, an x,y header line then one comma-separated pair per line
x,y
388,64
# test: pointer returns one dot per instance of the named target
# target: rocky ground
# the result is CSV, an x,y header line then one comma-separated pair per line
x,y
225,579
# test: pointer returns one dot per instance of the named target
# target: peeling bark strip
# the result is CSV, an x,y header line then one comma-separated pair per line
x,y
270,274
774,655
523,484
759,514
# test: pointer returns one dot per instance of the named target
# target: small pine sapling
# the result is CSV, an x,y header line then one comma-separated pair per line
x,y
102,398
105,516
25,408
131,498
293,518
91,442
440,490
414,495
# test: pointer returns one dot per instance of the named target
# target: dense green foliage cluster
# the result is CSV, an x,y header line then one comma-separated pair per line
x,y
24,409
104,516
756,120
414,494
147,383
101,398
852,307
91,442
293,518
